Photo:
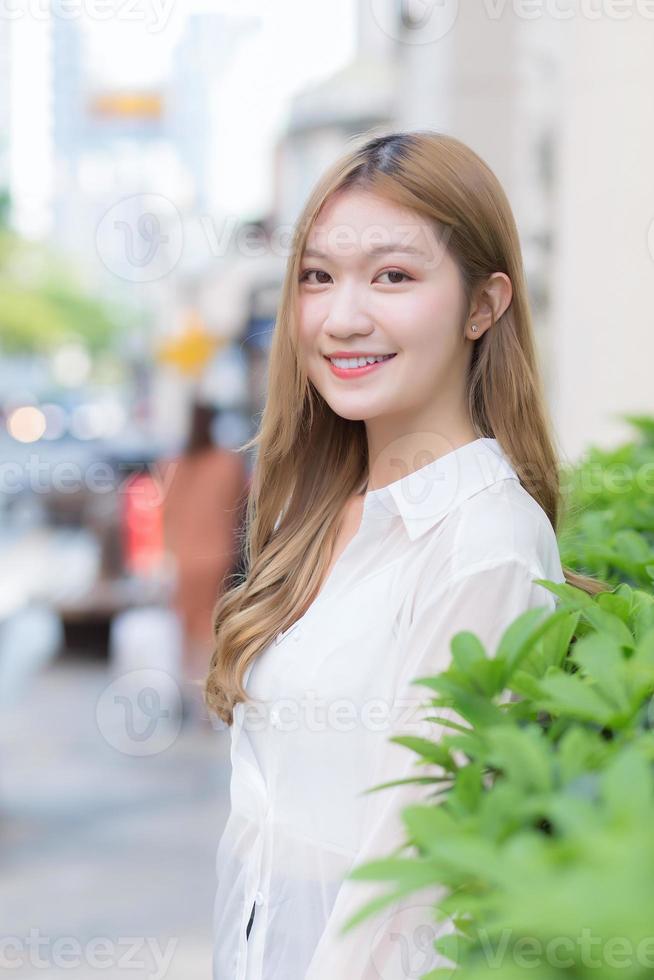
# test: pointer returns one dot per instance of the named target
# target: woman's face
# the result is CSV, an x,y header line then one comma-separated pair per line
x,y
374,280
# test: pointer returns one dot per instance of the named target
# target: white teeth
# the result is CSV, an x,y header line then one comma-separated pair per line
x,y
353,362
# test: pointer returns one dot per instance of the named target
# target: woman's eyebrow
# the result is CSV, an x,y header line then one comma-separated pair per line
x,y
376,250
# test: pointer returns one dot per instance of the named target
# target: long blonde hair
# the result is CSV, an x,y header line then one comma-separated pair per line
x,y
295,501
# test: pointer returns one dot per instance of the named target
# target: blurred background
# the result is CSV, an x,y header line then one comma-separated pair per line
x,y
153,159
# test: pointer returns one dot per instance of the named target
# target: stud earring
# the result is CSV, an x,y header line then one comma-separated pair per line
x,y
474,328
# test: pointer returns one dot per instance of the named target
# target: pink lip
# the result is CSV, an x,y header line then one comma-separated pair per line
x,y
356,372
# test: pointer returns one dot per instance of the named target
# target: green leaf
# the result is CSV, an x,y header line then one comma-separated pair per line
x,y
469,658
580,750
551,649
522,754
627,787
567,694
410,779
642,614
526,686
645,647
632,545
449,945
467,651
605,622
375,905
471,745
474,708
519,638
570,595
416,872
428,824
448,723
601,659
430,751
467,792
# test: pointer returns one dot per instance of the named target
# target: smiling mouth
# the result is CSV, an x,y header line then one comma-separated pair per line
x,y
355,363
353,368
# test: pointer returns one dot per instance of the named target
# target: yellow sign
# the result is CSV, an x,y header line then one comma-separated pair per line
x,y
190,351
135,105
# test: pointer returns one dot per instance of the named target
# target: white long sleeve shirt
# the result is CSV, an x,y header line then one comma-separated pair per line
x,y
453,546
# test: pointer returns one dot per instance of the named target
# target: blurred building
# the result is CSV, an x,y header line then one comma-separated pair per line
x,y
5,104
110,141
323,117
111,148
133,192
601,335
200,60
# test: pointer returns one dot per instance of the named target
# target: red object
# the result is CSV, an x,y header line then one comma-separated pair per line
x,y
142,519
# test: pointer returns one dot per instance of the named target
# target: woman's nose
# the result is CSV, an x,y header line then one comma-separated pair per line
x,y
347,310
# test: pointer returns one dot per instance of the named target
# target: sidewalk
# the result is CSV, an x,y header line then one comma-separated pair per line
x,y
111,854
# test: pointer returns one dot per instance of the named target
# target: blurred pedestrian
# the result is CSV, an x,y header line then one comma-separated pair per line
x,y
204,493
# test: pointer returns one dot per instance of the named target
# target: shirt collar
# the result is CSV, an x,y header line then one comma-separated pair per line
x,y
424,497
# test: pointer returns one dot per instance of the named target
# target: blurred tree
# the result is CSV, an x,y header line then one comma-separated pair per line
x,y
42,305
5,202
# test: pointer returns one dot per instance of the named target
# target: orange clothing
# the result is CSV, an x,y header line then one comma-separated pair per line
x,y
203,506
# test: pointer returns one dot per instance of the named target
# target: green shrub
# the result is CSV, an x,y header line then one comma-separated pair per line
x,y
607,529
542,833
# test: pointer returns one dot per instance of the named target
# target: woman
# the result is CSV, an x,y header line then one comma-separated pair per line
x,y
393,505
203,503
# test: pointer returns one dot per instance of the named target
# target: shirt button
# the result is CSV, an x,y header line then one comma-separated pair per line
x,y
258,898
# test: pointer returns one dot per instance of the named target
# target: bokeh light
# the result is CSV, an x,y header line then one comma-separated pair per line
x,y
26,424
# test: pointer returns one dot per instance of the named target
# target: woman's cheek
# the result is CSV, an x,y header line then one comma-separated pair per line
x,y
308,327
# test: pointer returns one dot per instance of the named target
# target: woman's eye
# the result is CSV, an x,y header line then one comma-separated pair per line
x,y
318,272
395,272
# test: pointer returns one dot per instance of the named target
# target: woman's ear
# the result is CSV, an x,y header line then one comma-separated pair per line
x,y
491,301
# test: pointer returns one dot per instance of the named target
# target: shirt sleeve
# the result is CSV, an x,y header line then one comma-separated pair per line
x,y
396,942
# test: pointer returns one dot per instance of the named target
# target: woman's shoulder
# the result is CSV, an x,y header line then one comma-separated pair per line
x,y
502,522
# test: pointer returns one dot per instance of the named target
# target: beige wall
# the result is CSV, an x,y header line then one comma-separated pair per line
x,y
602,329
